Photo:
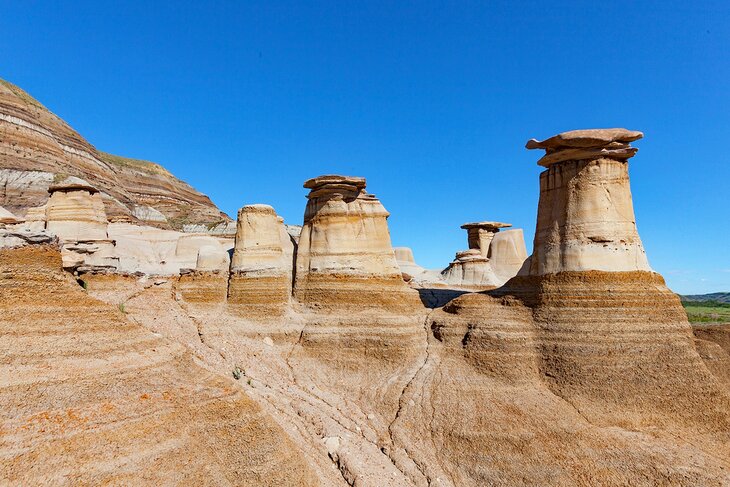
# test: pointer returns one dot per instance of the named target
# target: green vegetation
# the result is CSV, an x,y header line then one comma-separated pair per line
x,y
121,308
707,311
22,95
138,164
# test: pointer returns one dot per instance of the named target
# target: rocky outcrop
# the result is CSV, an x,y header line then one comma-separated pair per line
x,y
507,253
91,398
7,218
344,256
483,267
260,282
37,149
586,215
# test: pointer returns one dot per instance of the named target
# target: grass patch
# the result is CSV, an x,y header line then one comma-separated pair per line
x,y
707,311
138,164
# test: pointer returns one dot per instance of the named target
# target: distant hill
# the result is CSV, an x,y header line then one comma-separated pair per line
x,y
699,298
37,148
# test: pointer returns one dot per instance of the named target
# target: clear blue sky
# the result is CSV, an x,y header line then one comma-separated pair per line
x,y
431,101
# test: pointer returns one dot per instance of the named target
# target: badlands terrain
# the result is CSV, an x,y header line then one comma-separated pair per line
x,y
149,339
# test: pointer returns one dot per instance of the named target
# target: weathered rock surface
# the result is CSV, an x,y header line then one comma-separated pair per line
x,y
586,215
487,265
90,398
37,148
260,283
344,256
507,253
8,218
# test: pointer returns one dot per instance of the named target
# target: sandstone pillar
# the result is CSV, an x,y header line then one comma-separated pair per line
x,y
480,234
345,254
261,267
75,214
614,341
585,218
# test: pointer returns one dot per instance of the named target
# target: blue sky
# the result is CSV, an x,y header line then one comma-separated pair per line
x,y
431,101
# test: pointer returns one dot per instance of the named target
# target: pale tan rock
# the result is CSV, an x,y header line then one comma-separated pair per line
x,y
470,268
345,245
146,249
480,234
212,258
585,214
261,269
587,138
507,253
8,218
404,255
188,246
75,211
258,245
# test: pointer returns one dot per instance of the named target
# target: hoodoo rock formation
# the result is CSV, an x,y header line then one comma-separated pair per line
x,y
482,266
586,215
344,254
320,355
261,268
90,398
37,149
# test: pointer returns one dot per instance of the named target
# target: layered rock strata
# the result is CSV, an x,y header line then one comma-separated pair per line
x,y
75,214
482,267
615,342
507,253
260,281
37,148
586,215
344,254
91,398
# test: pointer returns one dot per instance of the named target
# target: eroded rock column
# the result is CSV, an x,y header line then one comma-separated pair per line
x,y
75,214
261,267
614,341
345,255
585,218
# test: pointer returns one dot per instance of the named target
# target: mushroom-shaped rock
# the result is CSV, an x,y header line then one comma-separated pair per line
x,y
481,234
586,144
344,252
585,215
75,211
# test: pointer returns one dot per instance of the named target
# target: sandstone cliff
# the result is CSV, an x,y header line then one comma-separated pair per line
x,y
38,149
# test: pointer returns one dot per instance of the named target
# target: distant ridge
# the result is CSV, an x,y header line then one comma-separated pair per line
x,y
38,148
716,297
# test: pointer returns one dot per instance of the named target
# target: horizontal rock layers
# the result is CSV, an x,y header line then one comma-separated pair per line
x,y
37,149
585,214
260,282
487,264
614,341
88,397
344,256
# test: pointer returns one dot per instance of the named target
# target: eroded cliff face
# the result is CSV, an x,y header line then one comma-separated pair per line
x,y
38,149
90,397
583,370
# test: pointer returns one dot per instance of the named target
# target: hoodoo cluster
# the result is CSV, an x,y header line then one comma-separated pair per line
x,y
573,366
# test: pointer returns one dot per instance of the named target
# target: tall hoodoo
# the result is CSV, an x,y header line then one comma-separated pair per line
x,y
75,214
75,211
261,266
585,217
615,342
481,234
344,242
